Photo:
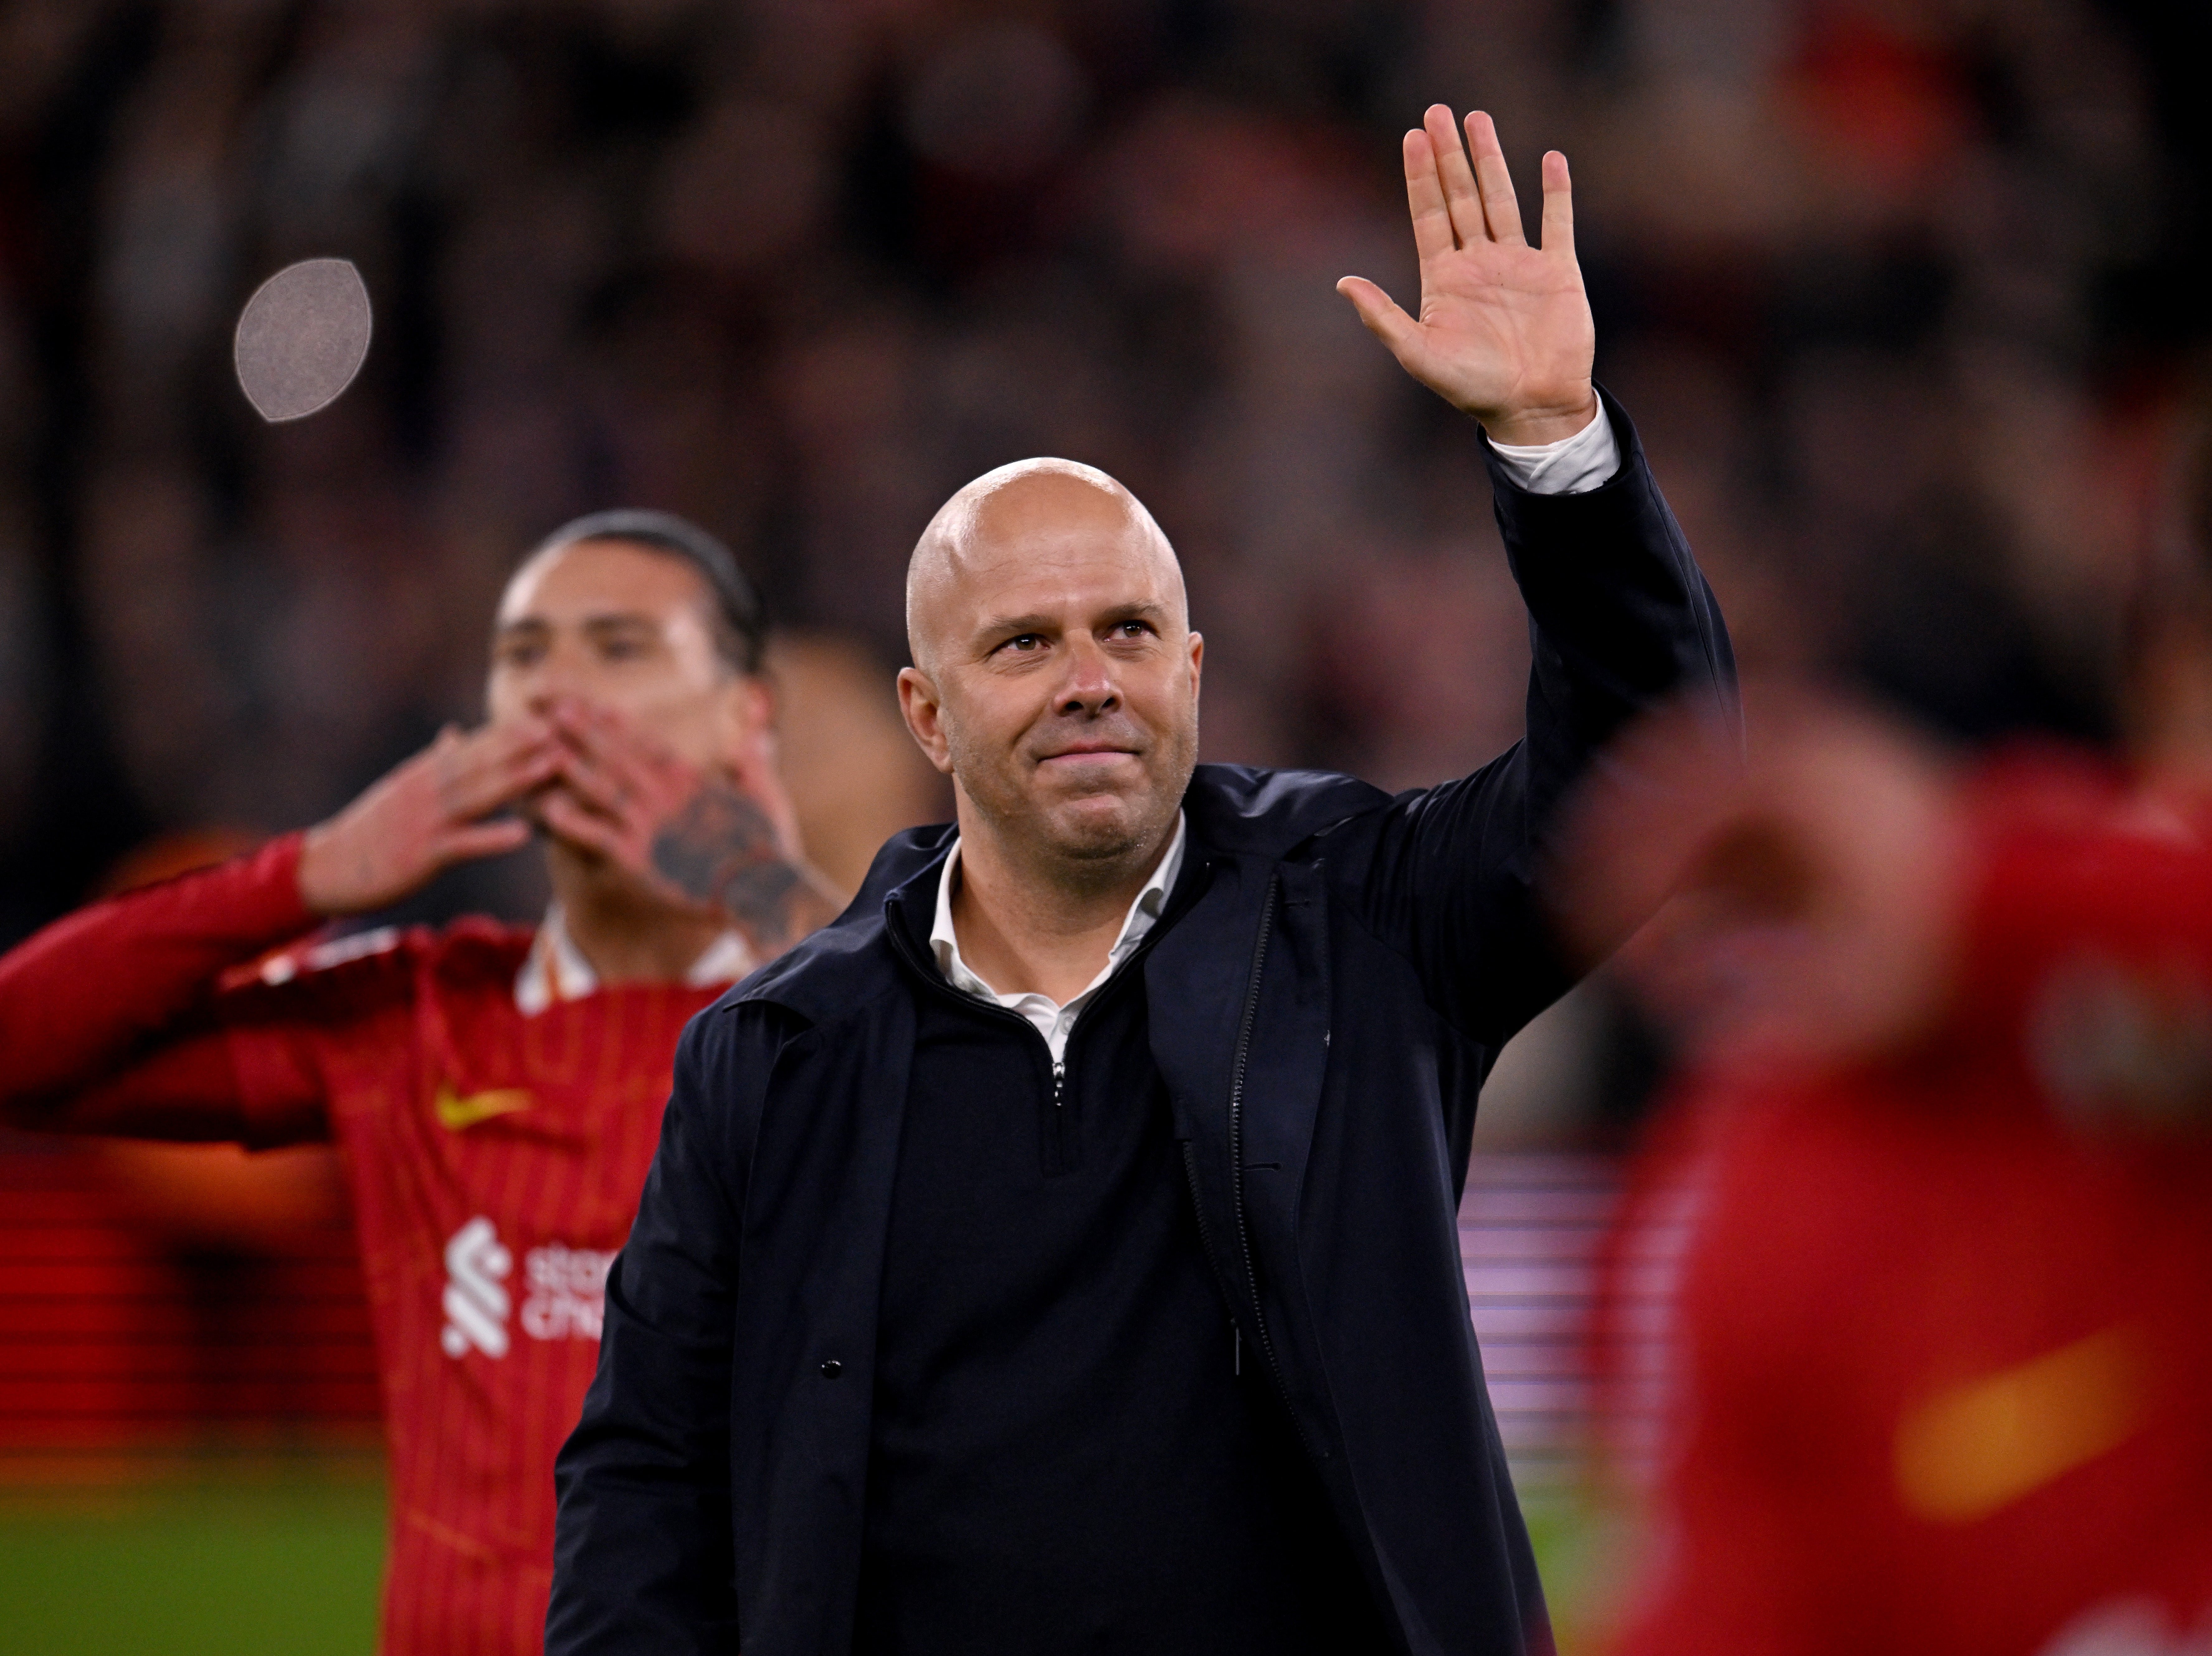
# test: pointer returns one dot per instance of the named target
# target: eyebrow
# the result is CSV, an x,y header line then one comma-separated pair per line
x,y
1015,625
619,621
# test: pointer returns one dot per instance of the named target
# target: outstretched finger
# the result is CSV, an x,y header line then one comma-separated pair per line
x,y
594,786
466,845
1501,208
1381,314
569,821
1559,230
493,767
1461,194
1424,196
606,747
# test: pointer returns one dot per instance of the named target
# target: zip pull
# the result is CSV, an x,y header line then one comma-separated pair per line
x,y
1059,1084
1237,1347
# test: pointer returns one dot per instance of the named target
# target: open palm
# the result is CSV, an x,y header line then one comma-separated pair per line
x,y
1504,331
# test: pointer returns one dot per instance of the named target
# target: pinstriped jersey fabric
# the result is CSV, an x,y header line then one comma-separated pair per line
x,y
494,1160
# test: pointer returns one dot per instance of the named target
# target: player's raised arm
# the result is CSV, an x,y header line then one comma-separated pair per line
x,y
143,1055
1505,330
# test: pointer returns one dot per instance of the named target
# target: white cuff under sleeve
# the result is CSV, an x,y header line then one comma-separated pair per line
x,y
1569,466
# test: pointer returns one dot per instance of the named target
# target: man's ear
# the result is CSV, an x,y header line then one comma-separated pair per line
x,y
923,712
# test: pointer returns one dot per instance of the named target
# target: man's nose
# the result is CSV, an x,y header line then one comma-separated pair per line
x,y
552,679
1090,687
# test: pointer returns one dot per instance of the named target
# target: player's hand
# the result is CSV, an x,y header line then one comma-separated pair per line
x,y
427,814
1505,332
700,840
1804,903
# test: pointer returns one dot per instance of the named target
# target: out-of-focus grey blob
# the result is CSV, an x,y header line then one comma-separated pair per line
x,y
302,337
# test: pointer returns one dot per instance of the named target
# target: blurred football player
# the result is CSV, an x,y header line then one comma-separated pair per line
x,y
495,1092
1929,1210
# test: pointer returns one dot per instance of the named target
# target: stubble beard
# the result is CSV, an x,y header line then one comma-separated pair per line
x,y
1081,855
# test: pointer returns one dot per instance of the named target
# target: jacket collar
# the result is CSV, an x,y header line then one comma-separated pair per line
x,y
1236,812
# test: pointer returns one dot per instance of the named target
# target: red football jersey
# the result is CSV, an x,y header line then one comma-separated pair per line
x,y
1939,1331
495,1158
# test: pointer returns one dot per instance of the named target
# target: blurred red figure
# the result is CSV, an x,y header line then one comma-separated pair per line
x,y
1933,1206
495,1092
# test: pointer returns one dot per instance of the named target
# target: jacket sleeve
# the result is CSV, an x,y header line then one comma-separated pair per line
x,y
643,1550
110,1018
1621,619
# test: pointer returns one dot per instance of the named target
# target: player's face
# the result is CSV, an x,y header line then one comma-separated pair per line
x,y
625,628
1061,693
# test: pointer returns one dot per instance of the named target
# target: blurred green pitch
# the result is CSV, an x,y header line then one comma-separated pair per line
x,y
212,1558
223,1557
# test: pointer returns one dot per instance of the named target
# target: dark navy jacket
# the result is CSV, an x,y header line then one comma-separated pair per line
x,y
1323,1013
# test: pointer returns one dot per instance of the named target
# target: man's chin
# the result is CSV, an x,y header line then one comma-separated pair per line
x,y
1100,828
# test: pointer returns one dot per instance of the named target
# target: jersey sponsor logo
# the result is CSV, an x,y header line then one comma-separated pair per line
x,y
567,1292
564,1292
475,1300
457,1112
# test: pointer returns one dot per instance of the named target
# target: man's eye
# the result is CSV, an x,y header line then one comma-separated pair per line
x,y
1132,629
1025,642
518,655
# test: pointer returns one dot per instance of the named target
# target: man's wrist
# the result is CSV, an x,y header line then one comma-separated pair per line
x,y
1585,460
1539,427
318,875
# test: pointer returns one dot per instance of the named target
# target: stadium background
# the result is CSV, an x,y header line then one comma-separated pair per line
x,y
1908,298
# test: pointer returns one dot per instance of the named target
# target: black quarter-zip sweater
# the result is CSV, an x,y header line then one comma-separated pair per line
x,y
1070,1451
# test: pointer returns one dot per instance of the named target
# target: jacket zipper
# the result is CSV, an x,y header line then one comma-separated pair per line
x,y
932,976
1236,1171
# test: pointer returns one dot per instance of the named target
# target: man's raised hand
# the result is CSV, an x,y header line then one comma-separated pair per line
x,y
426,814
1505,332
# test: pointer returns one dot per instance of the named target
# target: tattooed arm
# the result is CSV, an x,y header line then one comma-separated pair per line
x,y
696,843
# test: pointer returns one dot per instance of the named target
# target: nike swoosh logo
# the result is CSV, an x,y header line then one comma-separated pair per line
x,y
1978,1448
457,1114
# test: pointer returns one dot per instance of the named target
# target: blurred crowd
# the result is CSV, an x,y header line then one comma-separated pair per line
x,y
1897,289
1904,294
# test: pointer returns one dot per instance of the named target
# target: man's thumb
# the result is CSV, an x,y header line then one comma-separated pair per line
x,y
1381,314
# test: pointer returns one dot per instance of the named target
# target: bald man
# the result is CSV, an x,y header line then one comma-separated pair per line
x,y
1057,1253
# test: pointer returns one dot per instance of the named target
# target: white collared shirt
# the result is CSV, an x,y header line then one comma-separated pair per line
x,y
556,970
1051,1021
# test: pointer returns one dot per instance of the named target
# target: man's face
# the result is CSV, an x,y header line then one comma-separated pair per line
x,y
1057,678
622,627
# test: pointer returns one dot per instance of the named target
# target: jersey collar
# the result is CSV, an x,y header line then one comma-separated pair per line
x,y
556,970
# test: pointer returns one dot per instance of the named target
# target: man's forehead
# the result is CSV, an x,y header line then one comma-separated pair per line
x,y
586,579
1062,570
